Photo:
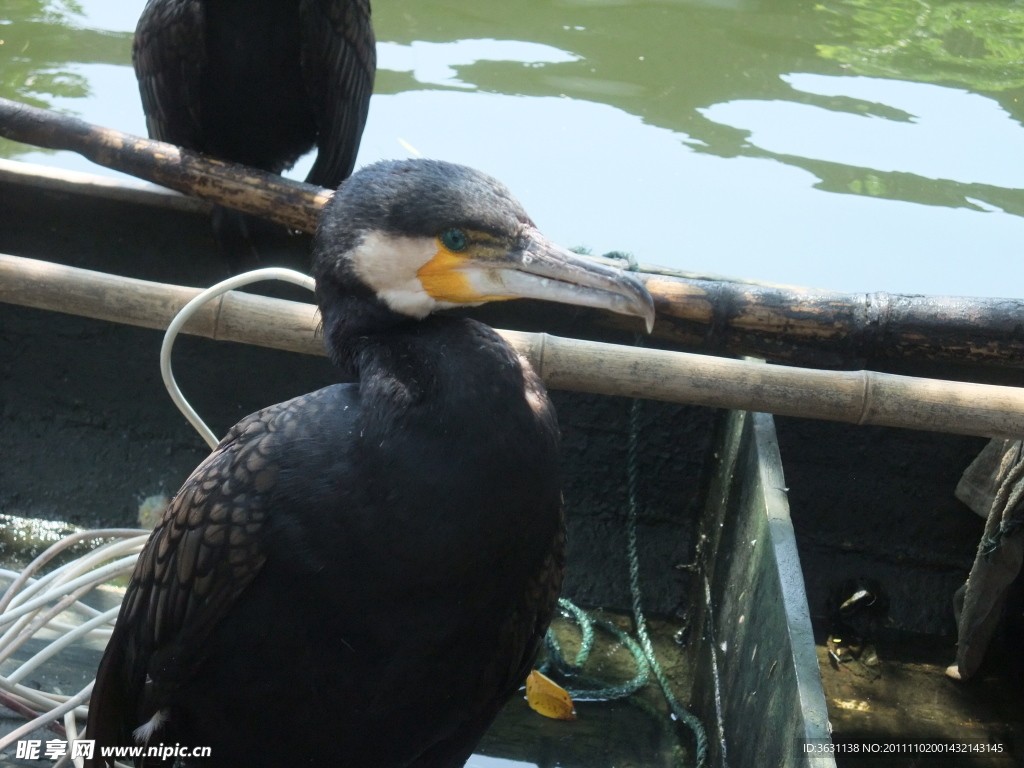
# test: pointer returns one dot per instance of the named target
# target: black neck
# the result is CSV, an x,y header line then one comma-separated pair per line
x,y
352,321
454,359
439,393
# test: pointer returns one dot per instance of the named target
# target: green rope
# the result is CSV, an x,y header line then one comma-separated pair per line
x,y
688,719
643,653
669,730
989,544
586,640
684,715
589,688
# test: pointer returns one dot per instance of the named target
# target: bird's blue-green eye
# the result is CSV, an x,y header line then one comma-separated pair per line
x,y
454,239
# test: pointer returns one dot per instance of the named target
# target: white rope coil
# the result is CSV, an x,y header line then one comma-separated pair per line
x,y
48,606
32,604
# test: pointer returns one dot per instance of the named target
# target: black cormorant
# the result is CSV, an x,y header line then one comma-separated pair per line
x,y
362,576
258,82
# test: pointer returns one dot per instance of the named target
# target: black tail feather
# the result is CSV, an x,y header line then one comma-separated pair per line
x,y
248,242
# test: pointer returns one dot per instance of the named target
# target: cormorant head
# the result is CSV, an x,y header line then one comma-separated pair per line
x,y
422,235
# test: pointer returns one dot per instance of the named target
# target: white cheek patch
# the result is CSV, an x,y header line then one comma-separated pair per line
x,y
388,265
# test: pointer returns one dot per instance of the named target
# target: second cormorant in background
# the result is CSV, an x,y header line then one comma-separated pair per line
x,y
362,576
258,82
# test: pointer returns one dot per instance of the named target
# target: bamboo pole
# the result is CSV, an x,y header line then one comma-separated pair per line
x,y
235,316
859,397
783,323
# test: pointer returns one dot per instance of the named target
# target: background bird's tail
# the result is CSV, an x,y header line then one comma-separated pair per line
x,y
247,242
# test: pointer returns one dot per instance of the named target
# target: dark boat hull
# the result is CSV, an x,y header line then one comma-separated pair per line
x,y
89,431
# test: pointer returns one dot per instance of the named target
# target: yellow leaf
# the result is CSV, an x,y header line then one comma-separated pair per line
x,y
548,697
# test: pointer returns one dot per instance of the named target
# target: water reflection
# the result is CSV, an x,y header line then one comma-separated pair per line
x,y
601,178
729,140
40,38
111,15
941,133
978,44
435,63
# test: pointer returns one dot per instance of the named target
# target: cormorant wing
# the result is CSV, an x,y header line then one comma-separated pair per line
x,y
202,556
169,53
339,61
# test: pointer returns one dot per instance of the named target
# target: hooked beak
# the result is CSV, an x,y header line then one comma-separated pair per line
x,y
537,268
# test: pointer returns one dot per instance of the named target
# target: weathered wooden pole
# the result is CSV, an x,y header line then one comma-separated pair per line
x,y
292,203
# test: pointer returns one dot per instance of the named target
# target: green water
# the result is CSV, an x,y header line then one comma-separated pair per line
x,y
853,144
